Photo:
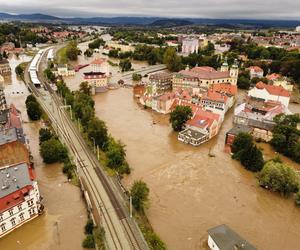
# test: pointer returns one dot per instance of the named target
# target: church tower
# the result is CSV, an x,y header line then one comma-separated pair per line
x,y
234,72
224,66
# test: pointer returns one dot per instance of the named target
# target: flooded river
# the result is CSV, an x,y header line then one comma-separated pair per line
x,y
190,191
61,226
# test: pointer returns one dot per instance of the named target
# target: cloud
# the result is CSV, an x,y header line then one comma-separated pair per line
x,y
255,9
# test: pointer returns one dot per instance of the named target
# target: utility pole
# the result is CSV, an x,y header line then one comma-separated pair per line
x,y
130,206
94,144
98,156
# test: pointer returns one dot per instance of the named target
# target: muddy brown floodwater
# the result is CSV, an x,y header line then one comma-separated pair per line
x,y
61,226
191,192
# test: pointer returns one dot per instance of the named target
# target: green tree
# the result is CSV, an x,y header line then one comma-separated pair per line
x,y
34,111
155,243
140,194
125,65
85,88
89,226
179,116
19,70
88,53
172,61
98,130
279,177
72,51
115,154
53,151
99,236
49,74
45,134
136,77
252,158
242,141
89,241
30,98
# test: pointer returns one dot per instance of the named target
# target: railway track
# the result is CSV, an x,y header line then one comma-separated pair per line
x,y
104,211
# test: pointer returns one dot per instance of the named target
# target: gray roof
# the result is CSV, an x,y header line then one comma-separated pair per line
x,y
227,239
191,133
8,135
13,178
239,129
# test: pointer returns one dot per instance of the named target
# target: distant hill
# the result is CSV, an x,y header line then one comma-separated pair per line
x,y
151,21
171,22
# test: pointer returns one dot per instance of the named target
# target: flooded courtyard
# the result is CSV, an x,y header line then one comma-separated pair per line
x,y
61,226
190,191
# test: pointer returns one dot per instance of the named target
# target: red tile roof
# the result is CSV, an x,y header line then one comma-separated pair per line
x,y
255,69
203,119
215,96
98,61
273,76
273,90
14,198
225,88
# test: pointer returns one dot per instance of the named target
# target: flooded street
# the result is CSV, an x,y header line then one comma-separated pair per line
x,y
62,225
191,192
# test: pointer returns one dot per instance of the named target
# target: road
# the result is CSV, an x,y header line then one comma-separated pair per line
x,y
127,76
120,230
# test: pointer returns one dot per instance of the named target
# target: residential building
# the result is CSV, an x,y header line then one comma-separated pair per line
x,y
255,71
163,103
160,82
202,127
298,29
190,45
3,104
224,238
64,70
7,47
5,69
99,76
279,80
237,129
205,77
268,92
20,199
258,115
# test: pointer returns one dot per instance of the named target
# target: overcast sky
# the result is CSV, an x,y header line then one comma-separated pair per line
x,y
254,9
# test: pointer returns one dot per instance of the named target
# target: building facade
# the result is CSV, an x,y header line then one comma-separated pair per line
x,y
5,69
20,199
190,45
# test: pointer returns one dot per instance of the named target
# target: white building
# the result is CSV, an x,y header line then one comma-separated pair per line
x,y
190,45
19,197
255,71
64,70
224,238
270,93
298,29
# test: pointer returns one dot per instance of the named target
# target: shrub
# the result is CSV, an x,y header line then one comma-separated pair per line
x,y
89,241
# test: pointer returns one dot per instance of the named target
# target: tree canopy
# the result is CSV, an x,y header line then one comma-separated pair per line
x,y
179,116
140,195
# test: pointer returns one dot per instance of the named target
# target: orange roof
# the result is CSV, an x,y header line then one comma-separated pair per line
x,y
167,96
225,88
203,119
98,61
13,153
273,90
273,76
204,73
255,68
215,96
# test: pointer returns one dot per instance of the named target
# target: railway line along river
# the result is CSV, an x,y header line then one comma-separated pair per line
x,y
191,191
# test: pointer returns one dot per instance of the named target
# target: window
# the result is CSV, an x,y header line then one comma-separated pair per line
x,y
3,228
30,202
11,212
20,207
21,216
1,217
13,221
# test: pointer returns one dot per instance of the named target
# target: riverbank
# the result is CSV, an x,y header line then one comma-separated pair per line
x,y
61,226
